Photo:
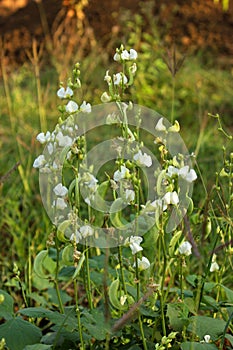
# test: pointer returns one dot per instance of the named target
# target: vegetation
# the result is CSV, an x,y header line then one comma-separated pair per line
x,y
60,287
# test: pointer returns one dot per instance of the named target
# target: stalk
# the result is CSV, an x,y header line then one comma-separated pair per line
x,y
78,316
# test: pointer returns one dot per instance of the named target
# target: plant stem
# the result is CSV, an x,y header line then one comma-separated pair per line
x,y
121,269
88,285
56,278
138,297
78,316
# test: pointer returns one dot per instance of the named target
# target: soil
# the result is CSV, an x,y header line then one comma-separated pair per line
x,y
190,24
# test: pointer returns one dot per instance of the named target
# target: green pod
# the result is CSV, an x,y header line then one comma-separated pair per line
x,y
113,295
44,265
67,255
80,264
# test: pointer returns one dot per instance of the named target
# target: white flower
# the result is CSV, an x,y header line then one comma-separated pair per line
x,y
120,174
133,54
107,78
86,231
214,265
71,107
129,195
172,171
59,203
125,55
123,299
62,93
112,119
171,198
39,162
134,243
159,204
185,248
159,126
188,175
63,140
85,107
50,148
76,236
117,57
105,97
143,263
143,159
133,68
42,138
119,78
60,190
184,172
90,181
207,338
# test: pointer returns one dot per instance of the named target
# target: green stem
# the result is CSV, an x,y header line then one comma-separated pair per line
x,y
138,297
78,316
181,279
121,269
88,285
56,279
173,99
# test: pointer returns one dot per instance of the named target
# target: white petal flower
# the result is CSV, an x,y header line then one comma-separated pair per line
x,y
76,237
119,78
120,174
191,176
143,264
107,78
214,266
143,159
86,231
85,107
62,93
59,203
172,171
133,54
112,118
39,162
134,243
42,138
105,97
159,204
207,338
60,190
125,55
159,126
129,195
185,248
90,181
63,140
188,175
123,299
117,57
171,198
71,107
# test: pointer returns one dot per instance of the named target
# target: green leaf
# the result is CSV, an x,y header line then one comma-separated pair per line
x,y
197,346
19,333
44,265
94,322
7,306
229,293
202,325
177,314
38,347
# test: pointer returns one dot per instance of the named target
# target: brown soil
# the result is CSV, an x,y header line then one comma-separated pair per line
x,y
194,23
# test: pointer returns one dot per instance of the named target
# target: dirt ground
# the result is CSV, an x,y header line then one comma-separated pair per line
x,y
194,23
